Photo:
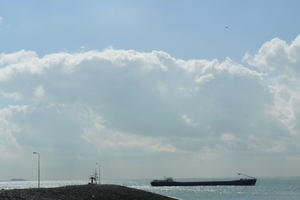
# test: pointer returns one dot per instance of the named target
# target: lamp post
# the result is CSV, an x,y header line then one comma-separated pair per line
x,y
99,173
38,168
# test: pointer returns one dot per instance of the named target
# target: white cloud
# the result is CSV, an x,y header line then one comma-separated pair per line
x,y
13,95
205,78
39,91
281,63
122,106
9,144
188,121
277,55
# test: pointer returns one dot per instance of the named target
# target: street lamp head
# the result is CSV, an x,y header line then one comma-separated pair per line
x,y
34,152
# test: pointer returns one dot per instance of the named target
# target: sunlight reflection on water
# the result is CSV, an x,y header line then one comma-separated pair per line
x,y
267,189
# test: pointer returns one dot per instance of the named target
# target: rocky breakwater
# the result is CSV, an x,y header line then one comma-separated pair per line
x,y
82,192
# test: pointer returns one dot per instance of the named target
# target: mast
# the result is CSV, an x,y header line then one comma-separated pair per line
x,y
96,175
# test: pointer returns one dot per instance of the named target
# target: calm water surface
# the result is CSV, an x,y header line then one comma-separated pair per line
x,y
268,189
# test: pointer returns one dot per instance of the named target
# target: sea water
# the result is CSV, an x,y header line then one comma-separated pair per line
x,y
265,188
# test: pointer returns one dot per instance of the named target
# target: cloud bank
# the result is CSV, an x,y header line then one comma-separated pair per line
x,y
149,112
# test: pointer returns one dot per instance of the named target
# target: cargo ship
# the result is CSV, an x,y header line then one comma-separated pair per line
x,y
18,179
168,181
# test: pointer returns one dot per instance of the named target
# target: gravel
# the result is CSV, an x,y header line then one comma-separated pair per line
x,y
82,192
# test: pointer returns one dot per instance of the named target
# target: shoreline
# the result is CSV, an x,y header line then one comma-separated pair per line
x,y
76,192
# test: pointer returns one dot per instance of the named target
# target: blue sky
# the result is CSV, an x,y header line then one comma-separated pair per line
x,y
149,88
187,30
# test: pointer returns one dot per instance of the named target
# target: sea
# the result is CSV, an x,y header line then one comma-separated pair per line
x,y
265,188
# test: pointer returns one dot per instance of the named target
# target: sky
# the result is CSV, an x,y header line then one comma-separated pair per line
x,y
187,89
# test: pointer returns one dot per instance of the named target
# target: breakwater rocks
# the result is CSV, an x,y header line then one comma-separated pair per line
x,y
82,192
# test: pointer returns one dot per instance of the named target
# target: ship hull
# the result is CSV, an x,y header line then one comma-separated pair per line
x,y
241,182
